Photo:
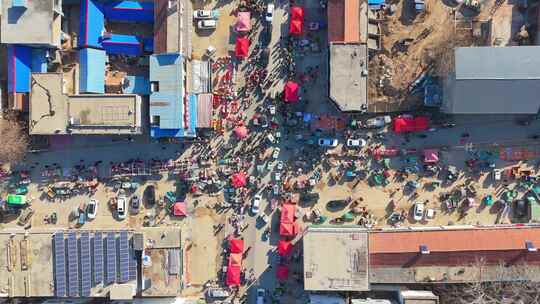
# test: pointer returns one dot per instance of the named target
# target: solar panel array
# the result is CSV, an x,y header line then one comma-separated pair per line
x,y
59,265
111,258
86,266
98,258
81,252
124,257
73,261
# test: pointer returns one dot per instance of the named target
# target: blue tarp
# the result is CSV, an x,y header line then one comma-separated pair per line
x,y
39,61
192,122
123,45
92,24
92,67
137,85
130,11
376,4
19,68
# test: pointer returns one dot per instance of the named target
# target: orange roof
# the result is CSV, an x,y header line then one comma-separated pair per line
x,y
453,240
344,21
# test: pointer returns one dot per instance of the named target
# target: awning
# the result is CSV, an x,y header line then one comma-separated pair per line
x,y
242,47
179,209
284,248
295,27
282,272
288,229
431,156
287,213
239,180
233,276
243,22
291,91
404,124
235,260
241,132
204,110
236,245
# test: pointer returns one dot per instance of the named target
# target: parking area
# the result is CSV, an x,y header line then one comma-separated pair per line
x,y
219,37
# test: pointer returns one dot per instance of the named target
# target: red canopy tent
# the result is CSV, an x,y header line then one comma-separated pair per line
x,y
242,47
241,132
243,22
296,27
431,156
233,276
236,246
404,124
239,180
235,259
288,229
291,91
287,213
282,272
284,248
179,209
297,13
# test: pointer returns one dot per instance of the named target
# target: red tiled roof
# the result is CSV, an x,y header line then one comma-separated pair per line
x,y
453,240
344,21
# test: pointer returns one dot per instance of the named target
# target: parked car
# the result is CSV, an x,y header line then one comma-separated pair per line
x,y
520,209
356,142
378,122
261,293
256,204
91,209
135,204
149,195
121,207
328,142
269,15
202,14
217,293
497,174
275,154
207,24
335,205
418,211
309,197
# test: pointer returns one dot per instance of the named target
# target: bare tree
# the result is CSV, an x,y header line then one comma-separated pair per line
x,y
14,140
503,285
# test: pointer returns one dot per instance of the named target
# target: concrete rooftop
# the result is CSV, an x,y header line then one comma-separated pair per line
x,y
348,76
336,259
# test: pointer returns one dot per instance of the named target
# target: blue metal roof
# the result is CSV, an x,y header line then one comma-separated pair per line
x,y
92,67
167,102
19,68
92,24
39,61
130,11
123,45
137,85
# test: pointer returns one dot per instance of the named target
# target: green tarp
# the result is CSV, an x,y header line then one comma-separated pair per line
x,y
14,199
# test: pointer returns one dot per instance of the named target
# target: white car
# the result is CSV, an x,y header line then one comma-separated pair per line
x,y
207,24
418,211
269,13
121,207
353,142
280,165
277,176
202,14
497,174
260,295
275,154
91,209
256,205
328,142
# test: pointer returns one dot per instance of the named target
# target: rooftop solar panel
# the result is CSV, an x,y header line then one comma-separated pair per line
x,y
124,257
132,265
111,258
73,274
59,265
86,270
98,258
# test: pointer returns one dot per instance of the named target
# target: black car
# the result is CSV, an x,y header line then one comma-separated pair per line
x,y
521,209
149,195
310,197
335,205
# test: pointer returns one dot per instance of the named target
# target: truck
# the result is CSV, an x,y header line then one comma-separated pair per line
x,y
378,122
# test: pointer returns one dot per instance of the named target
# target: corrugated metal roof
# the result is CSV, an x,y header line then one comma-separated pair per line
x,y
204,110
133,11
515,62
167,103
453,240
137,84
19,68
123,45
92,71
344,21
92,23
